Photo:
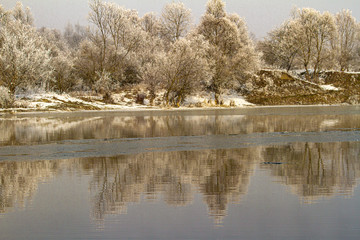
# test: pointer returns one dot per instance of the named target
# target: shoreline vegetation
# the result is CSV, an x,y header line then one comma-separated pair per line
x,y
123,61
271,89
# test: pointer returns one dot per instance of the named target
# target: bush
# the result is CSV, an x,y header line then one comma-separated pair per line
x,y
6,99
105,85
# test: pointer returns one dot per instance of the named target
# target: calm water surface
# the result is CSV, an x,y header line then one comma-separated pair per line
x,y
262,173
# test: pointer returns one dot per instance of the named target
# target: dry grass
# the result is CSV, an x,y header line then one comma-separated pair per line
x,y
276,88
71,106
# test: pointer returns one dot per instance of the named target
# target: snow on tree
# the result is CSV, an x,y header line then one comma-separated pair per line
x,y
314,34
53,40
87,61
24,17
24,59
185,68
151,24
280,48
357,49
151,73
73,35
118,37
6,99
216,8
175,21
61,61
346,38
232,51
152,55
307,39
105,85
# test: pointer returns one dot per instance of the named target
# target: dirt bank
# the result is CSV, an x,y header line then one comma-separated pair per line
x,y
271,87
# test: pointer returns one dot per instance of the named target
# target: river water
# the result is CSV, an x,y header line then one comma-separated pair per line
x,y
254,173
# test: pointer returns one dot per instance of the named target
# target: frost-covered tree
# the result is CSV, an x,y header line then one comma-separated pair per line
x,y
151,73
105,85
175,21
24,16
314,34
216,8
87,61
185,69
151,24
356,64
53,40
64,75
231,49
280,48
346,38
324,36
6,99
313,40
73,35
118,37
24,58
98,16
152,57
62,60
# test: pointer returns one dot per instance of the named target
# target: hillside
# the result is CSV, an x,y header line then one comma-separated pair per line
x,y
274,87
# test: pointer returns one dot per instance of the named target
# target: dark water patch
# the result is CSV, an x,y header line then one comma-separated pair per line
x,y
96,148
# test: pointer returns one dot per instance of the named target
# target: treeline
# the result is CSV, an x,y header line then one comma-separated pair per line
x,y
166,53
315,41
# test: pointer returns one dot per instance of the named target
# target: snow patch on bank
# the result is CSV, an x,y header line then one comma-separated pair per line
x,y
236,100
229,99
52,101
329,87
48,101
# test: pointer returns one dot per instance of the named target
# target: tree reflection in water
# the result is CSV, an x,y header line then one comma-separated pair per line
x,y
222,176
40,130
317,170
312,170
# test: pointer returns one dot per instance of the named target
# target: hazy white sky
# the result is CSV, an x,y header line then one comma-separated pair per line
x,y
260,15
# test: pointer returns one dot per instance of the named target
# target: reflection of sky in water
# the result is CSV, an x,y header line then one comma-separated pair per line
x,y
202,194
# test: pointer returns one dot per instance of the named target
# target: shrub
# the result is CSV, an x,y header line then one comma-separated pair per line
x,y
6,99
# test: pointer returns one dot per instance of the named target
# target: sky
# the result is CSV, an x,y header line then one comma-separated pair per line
x,y
261,15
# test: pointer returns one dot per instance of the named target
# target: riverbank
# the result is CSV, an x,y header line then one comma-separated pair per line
x,y
122,101
275,87
245,110
267,88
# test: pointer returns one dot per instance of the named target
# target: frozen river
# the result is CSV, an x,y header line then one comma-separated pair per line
x,y
253,173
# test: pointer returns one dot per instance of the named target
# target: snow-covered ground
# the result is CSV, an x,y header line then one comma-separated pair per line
x,y
329,87
228,99
122,101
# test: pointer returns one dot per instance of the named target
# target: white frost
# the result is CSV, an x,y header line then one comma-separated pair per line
x,y
329,87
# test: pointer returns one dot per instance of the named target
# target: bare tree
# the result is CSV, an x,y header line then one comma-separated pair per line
x,y
98,16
